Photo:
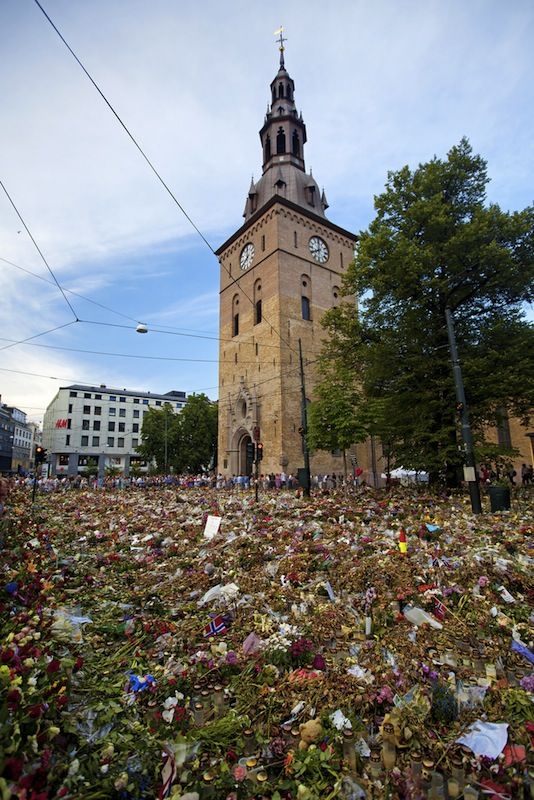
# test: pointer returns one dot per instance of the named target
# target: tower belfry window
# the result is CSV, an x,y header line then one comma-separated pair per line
x,y
280,90
296,144
280,141
267,148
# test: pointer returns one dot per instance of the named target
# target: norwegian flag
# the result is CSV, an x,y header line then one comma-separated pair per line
x,y
439,609
168,773
215,626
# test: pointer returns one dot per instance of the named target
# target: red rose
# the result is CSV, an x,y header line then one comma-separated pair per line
x,y
62,701
78,664
13,768
36,711
13,698
53,666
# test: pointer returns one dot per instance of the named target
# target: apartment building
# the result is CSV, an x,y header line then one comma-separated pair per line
x,y
101,424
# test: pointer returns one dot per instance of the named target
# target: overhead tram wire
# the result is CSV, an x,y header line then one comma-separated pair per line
x,y
128,355
152,167
47,265
37,335
109,389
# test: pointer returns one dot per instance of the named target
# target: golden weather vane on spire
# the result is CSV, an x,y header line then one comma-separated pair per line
x,y
281,40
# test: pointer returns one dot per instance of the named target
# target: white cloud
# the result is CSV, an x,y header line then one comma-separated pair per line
x,y
380,85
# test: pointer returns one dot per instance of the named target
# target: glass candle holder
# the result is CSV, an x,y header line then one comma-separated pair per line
x,y
250,741
349,751
198,714
415,767
219,700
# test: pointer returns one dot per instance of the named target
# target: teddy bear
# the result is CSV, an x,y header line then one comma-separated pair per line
x,y
310,732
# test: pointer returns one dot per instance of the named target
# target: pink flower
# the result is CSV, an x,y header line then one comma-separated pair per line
x,y
239,772
483,581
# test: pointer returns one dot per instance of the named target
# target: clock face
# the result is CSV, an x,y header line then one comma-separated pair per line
x,y
318,249
247,256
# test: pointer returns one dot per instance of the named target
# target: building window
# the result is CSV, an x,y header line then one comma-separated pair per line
x,y
111,426
296,144
122,399
70,408
295,240
120,441
257,310
235,315
263,242
135,442
85,441
503,430
280,142
98,397
113,398
121,427
98,410
69,423
96,441
136,413
235,328
305,308
267,148
73,394
87,409
158,402
87,395
135,427
85,424
111,441
122,412
145,402
96,425
136,400
112,412
67,439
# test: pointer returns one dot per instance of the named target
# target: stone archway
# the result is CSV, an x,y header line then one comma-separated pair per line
x,y
245,462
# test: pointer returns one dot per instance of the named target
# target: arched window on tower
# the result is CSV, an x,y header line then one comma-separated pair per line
x,y
267,148
296,144
257,303
335,296
235,315
280,141
280,90
305,297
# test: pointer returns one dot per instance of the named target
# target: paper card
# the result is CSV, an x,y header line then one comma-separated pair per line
x,y
329,590
212,526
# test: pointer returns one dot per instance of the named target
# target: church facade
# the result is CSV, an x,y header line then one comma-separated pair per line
x,y
279,272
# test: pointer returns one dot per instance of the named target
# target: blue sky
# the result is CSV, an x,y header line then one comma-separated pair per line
x,y
379,84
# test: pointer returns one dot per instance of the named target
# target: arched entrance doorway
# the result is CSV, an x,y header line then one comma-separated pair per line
x,y
246,458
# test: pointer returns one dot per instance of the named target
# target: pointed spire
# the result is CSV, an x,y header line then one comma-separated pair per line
x,y
252,189
324,201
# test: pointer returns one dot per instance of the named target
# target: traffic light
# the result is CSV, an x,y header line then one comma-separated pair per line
x,y
40,454
260,451
251,451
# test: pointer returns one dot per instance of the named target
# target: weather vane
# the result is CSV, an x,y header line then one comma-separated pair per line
x,y
281,40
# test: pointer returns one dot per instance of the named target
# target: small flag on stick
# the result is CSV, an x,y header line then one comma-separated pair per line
x,y
215,626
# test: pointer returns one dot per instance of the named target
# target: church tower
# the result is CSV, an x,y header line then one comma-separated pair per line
x,y
279,272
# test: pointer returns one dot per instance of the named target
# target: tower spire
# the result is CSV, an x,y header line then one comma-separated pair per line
x,y
281,40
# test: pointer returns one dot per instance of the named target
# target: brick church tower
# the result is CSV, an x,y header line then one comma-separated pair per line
x,y
279,272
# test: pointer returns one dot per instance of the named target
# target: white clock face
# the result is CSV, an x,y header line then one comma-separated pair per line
x,y
318,249
247,256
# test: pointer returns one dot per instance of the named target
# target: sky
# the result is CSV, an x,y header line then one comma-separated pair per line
x,y
380,84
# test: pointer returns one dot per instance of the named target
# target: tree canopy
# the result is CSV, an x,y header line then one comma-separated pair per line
x,y
436,243
185,441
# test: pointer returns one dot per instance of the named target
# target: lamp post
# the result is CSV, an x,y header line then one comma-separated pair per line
x,y
470,471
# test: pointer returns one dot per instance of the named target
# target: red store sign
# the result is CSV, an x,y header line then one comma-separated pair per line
x,y
61,423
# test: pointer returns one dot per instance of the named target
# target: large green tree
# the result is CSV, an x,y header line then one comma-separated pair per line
x,y
198,434
185,441
160,437
436,243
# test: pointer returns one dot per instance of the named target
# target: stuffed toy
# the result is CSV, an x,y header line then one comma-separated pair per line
x,y
310,732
